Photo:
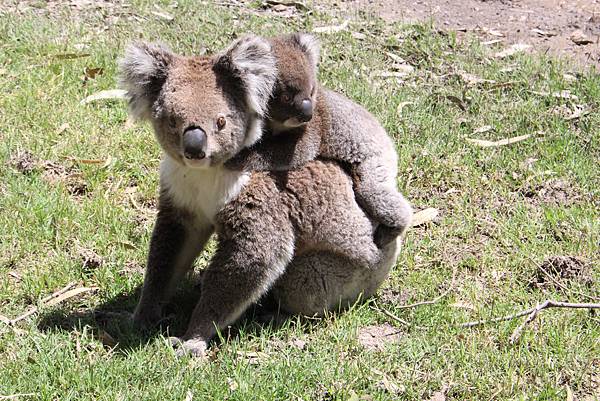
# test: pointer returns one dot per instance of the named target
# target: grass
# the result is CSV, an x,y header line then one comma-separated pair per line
x,y
503,211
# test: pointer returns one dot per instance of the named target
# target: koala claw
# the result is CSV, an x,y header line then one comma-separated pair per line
x,y
386,234
195,348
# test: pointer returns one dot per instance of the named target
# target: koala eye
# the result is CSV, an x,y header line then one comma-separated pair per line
x,y
172,122
285,98
221,122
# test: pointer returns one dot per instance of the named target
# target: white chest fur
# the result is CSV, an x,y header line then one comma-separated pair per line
x,y
201,191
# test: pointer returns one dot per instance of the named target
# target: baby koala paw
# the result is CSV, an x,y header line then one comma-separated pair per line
x,y
195,347
386,234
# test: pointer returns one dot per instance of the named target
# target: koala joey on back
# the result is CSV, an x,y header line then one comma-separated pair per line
x,y
275,229
306,121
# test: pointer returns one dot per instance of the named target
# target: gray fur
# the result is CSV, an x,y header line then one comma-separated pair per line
x,y
250,59
340,130
294,231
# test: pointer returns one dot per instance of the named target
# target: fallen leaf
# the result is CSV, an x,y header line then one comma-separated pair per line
x,y
253,358
106,339
375,337
297,4
564,94
579,111
332,28
494,32
457,101
390,386
569,77
15,275
69,294
390,74
501,142
396,58
92,73
463,305
439,395
543,33
401,107
570,396
233,385
105,162
62,128
512,50
189,396
472,80
69,56
483,129
424,216
359,36
3,71
106,94
580,38
90,259
491,42
298,343
160,13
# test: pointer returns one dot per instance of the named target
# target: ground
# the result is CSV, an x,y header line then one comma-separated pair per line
x,y
500,147
546,25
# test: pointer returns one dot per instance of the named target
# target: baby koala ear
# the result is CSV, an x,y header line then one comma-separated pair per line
x,y
310,45
143,71
252,63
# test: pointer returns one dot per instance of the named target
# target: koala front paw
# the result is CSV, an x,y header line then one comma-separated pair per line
x,y
195,347
386,234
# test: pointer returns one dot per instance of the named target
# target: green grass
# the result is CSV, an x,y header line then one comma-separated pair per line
x,y
501,215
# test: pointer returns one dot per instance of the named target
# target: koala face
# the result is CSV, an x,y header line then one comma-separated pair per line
x,y
196,119
203,109
294,95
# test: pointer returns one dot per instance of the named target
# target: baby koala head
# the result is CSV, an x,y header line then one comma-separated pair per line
x,y
294,96
204,110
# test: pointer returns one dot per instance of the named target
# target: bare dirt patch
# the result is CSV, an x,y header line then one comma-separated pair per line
x,y
561,268
374,338
560,27
553,192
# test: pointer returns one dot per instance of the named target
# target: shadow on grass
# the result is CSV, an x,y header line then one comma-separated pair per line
x,y
113,318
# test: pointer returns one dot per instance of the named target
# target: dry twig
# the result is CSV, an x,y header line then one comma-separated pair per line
x,y
532,312
559,284
436,299
389,314
53,299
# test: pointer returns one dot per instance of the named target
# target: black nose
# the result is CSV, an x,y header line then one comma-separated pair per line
x,y
306,110
194,143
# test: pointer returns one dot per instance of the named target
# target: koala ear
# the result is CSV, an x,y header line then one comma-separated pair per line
x,y
309,45
143,72
251,62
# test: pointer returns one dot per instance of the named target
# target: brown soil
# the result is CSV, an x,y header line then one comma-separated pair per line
x,y
547,25
562,268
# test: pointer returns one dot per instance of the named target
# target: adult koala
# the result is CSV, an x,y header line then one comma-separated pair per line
x,y
300,233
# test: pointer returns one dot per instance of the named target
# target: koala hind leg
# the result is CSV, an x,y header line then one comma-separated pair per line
x,y
321,281
376,193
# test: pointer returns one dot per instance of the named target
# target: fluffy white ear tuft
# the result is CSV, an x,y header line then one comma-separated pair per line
x,y
142,72
310,45
251,61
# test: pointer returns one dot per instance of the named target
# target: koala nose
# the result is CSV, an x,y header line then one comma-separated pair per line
x,y
194,143
306,110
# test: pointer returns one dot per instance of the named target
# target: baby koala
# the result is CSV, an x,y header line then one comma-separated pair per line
x,y
307,121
